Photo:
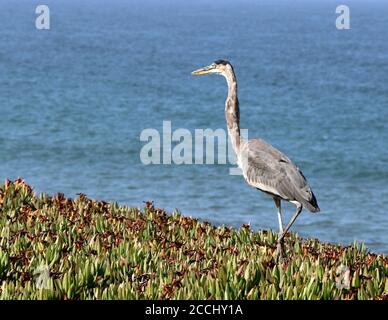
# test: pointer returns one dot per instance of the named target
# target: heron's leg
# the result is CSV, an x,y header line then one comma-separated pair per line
x,y
279,248
296,214
279,207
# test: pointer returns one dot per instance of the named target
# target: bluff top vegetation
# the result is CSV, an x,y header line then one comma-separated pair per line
x,y
52,247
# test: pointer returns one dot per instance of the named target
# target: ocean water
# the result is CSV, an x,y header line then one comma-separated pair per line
x,y
75,99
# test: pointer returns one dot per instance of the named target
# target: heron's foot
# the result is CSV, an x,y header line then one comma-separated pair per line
x,y
280,252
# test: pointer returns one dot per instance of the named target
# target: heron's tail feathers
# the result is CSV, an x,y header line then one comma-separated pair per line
x,y
312,204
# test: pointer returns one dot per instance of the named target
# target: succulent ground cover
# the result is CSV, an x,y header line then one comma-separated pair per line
x,y
52,247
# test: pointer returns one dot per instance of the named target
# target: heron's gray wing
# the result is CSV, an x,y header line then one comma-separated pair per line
x,y
268,169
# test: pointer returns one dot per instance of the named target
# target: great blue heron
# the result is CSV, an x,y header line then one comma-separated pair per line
x,y
263,166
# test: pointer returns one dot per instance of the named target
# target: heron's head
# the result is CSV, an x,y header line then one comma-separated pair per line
x,y
217,67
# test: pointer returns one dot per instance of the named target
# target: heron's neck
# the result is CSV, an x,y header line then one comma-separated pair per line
x,y
232,112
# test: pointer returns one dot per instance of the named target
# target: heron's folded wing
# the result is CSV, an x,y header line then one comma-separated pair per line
x,y
270,170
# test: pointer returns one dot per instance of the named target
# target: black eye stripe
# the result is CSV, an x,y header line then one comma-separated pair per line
x,y
224,62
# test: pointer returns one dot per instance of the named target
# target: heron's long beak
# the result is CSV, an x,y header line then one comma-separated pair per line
x,y
205,70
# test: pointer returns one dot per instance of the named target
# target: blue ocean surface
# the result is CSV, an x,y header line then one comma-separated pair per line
x,y
75,99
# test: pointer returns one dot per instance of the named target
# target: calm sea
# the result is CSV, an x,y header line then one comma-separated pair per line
x,y
75,99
